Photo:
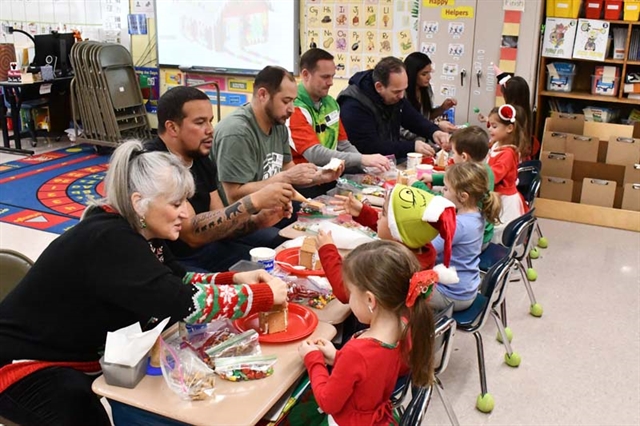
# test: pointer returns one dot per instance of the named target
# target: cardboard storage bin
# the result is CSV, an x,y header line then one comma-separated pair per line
x,y
558,164
583,148
565,123
598,192
631,197
554,188
122,375
554,141
604,131
623,151
632,174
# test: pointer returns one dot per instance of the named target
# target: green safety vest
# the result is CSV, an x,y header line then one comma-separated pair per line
x,y
326,121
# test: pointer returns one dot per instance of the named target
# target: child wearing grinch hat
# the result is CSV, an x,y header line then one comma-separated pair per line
x,y
410,216
466,185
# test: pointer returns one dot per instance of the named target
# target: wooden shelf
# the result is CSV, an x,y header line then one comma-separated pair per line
x,y
587,97
590,215
633,62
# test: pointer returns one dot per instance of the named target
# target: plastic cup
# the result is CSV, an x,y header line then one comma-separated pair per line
x,y
265,256
423,169
413,159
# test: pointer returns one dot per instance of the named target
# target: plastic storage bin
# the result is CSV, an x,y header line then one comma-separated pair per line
x,y
562,79
612,9
593,9
122,375
600,87
631,10
563,8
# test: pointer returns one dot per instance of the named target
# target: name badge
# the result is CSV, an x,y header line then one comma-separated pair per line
x,y
332,118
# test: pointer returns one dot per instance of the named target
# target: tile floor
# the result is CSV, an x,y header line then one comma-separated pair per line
x,y
580,361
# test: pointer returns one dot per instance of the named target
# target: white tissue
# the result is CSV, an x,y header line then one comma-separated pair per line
x,y
333,165
345,238
128,345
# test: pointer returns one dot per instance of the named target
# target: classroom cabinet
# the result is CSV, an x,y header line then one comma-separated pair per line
x,y
464,39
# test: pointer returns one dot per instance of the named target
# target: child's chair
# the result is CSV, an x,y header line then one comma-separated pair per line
x,y
529,186
473,319
421,396
516,244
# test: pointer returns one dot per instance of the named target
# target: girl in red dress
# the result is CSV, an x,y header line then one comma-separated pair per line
x,y
509,143
386,289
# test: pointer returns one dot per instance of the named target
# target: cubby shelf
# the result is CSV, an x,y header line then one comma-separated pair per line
x,y
582,80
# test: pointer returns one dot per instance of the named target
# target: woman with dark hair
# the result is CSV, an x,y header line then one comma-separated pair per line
x,y
419,92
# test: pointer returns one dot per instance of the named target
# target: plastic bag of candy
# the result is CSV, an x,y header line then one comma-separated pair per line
x,y
201,337
314,289
238,369
185,373
243,344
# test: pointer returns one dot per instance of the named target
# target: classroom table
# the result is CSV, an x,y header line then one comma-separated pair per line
x,y
233,403
13,93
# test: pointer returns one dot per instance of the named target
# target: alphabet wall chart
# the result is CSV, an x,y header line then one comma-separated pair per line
x,y
360,32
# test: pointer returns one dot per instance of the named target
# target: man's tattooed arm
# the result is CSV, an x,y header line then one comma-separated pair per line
x,y
233,220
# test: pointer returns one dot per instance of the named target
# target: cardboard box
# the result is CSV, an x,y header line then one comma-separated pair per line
x,y
583,148
555,188
604,131
558,164
631,197
624,151
632,174
598,192
565,123
554,141
588,169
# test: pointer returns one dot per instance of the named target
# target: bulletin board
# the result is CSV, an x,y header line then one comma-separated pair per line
x,y
359,32
100,20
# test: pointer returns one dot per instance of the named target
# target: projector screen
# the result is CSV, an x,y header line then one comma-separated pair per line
x,y
232,36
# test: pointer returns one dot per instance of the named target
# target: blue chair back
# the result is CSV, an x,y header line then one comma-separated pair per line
x,y
529,180
517,235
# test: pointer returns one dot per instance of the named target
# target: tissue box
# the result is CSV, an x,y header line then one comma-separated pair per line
x,y
122,375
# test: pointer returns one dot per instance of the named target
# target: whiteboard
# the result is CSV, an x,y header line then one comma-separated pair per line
x,y
228,36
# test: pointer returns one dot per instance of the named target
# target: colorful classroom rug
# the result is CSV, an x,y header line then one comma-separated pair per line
x,y
50,191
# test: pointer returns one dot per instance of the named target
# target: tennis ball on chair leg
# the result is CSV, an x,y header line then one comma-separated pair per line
x,y
532,275
485,403
543,242
509,334
536,310
534,253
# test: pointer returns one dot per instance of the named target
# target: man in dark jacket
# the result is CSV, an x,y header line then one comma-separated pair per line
x,y
373,107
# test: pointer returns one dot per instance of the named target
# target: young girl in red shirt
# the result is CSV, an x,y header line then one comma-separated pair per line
x,y
509,144
387,288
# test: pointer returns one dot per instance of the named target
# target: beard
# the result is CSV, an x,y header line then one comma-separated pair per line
x,y
269,110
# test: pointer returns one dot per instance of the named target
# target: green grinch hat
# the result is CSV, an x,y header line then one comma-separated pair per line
x,y
416,217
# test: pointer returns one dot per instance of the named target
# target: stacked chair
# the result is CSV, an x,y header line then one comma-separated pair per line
x,y
106,96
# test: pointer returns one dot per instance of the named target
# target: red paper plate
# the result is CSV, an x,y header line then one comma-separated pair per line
x,y
302,322
292,256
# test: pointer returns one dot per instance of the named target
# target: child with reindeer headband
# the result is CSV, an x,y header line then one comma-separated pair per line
x,y
387,288
509,144
410,216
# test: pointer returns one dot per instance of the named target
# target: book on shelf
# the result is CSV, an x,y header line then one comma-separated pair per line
x,y
591,40
559,35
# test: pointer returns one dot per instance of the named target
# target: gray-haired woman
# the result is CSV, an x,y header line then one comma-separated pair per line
x,y
110,270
